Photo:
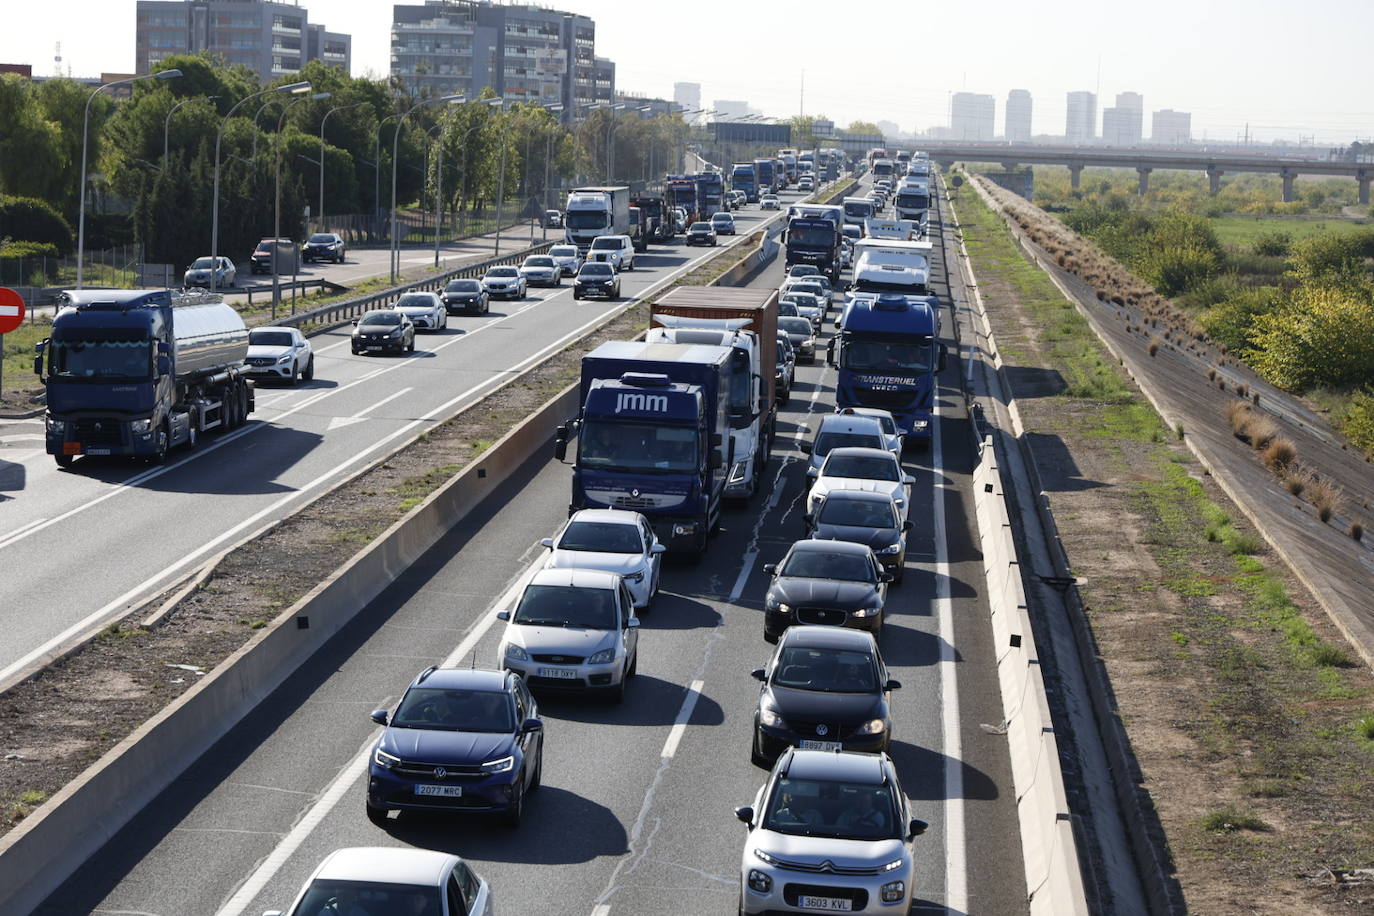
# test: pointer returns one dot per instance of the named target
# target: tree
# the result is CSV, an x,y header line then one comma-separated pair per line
x,y
803,132
27,219
33,158
1324,336
863,127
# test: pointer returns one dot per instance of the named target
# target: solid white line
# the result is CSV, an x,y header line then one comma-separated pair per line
x,y
22,528
684,714
745,569
602,910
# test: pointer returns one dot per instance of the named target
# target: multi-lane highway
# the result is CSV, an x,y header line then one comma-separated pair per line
x,y
132,530
634,815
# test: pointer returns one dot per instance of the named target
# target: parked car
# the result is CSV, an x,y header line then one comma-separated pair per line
x,y
425,310
553,219
723,223
567,257
786,372
388,879
224,273
324,246
540,269
465,296
616,250
858,468
505,282
701,234
573,629
383,329
260,261
596,279
612,540
868,517
838,430
828,583
801,332
280,353
459,740
828,832
824,689
768,202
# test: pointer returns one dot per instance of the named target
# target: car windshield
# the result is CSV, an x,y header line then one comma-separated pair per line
x,y
807,299
567,606
321,239
538,262
820,564
722,218
597,269
794,324
638,447
865,467
601,537
842,810
202,264
414,302
101,360
801,270
604,244
330,896
857,513
455,709
883,356
701,227
269,338
786,309
827,670
385,318
828,440
502,272
462,286
563,251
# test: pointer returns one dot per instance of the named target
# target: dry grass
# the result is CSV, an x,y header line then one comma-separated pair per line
x,y
1278,455
1356,531
1325,496
1296,479
1238,415
1154,346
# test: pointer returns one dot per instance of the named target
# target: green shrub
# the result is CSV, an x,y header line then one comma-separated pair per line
x,y
1324,336
26,251
1358,423
30,220
1231,321
1272,244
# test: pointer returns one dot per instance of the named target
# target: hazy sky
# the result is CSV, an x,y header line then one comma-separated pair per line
x,y
1285,69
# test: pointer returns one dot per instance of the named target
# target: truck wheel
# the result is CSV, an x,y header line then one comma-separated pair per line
x,y
64,461
309,373
164,436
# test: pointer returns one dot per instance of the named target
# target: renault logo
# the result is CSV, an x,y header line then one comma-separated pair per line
x,y
634,492
440,772
822,730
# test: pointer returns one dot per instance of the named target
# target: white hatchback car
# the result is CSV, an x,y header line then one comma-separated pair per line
x,y
873,469
612,540
387,879
567,258
573,629
839,430
425,310
280,353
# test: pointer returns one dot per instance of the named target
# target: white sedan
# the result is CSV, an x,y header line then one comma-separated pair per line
x,y
425,310
280,353
199,273
768,202
855,468
541,270
613,540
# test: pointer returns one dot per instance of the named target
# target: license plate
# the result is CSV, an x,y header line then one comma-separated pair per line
x,y
820,745
565,673
832,904
374,347
97,451
443,791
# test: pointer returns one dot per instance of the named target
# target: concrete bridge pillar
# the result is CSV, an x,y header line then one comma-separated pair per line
x,y
1075,176
1363,178
1144,179
1214,180
1288,175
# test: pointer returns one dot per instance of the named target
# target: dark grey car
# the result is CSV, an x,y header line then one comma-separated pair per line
x,y
832,583
863,517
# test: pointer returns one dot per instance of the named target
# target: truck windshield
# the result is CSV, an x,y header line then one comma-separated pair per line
x,y
102,360
637,447
811,236
886,356
587,219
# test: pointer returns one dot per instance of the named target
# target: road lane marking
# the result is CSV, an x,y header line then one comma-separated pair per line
x,y
22,528
361,416
684,714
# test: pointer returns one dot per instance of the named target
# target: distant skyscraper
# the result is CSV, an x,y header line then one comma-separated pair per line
x,y
1171,128
1018,116
1080,125
729,108
688,96
1124,124
972,116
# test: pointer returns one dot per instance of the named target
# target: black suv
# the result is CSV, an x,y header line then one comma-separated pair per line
x,y
324,246
596,278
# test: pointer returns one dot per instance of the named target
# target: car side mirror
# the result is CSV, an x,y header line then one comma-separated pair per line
x,y
530,726
658,549
916,828
805,448
355,322
892,684
379,716
759,674
560,448
546,542
164,365
771,568
908,479
632,623
745,813
906,525
885,577
813,473
503,615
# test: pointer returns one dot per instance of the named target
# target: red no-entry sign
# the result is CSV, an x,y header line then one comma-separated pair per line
x,y
11,310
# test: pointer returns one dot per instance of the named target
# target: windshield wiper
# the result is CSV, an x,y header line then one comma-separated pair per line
x,y
541,623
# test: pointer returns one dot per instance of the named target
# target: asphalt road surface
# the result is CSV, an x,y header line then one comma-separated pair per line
x,y
635,813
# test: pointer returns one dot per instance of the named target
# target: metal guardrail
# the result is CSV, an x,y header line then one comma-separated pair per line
x,y
338,312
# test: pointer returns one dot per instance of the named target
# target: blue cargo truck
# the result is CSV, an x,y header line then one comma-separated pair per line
x,y
767,170
745,177
888,353
138,372
653,436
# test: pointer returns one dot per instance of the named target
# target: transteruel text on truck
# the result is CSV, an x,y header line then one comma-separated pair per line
x,y
681,191
746,320
652,436
138,372
888,353
744,176
596,211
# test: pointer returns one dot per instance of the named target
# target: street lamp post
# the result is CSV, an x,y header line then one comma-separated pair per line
x,y
501,181
85,132
548,154
395,150
276,218
610,124
167,124
323,120
291,89
438,186
377,169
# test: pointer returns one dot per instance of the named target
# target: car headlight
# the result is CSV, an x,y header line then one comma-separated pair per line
x,y
738,471
384,760
56,427
893,891
893,866
771,718
765,857
286,357
872,727
867,612
604,657
778,606
889,550
759,882
141,426
504,765
517,653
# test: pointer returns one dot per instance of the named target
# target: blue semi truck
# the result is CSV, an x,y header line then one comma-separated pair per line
x,y
139,372
653,435
888,352
745,177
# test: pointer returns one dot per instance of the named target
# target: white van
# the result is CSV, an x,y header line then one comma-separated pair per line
x,y
617,250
